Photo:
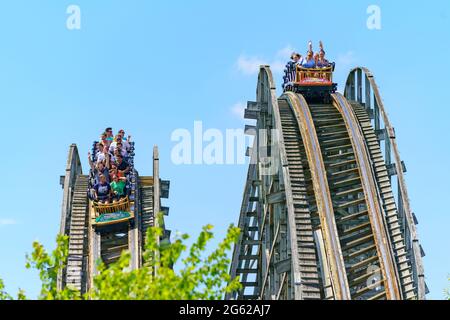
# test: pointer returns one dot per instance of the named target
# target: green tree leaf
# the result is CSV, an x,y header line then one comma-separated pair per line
x,y
199,276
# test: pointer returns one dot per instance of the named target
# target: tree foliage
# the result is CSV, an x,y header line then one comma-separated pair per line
x,y
165,275
447,291
4,295
48,266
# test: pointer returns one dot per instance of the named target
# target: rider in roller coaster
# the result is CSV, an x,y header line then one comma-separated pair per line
x,y
321,61
110,168
311,61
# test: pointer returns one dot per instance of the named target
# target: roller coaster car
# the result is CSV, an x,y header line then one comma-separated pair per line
x,y
313,83
113,213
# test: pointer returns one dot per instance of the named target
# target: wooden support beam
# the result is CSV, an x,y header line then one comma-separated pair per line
x,y
250,130
251,213
156,190
283,266
165,187
276,197
248,256
249,242
252,111
246,270
165,210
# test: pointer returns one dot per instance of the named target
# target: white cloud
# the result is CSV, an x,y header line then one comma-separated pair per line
x,y
278,66
7,222
346,60
285,53
249,65
238,110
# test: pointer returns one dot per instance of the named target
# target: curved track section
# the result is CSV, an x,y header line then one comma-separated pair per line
x,y
323,199
317,213
77,259
276,257
353,223
363,94
74,219
389,206
371,197
298,205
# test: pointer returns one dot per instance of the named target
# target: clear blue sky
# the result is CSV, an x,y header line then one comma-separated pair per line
x,y
154,67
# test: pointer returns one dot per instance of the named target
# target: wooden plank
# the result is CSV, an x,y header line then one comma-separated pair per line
x,y
276,197
283,266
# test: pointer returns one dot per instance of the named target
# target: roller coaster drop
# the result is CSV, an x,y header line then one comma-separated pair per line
x,y
326,223
93,237
319,216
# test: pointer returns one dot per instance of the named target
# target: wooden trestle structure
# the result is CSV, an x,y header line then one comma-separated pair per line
x,y
325,211
88,245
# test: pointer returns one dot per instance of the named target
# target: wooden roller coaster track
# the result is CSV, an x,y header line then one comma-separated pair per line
x,y
323,222
88,244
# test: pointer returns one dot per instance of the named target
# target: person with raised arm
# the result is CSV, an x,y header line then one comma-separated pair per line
x,y
309,62
322,62
98,169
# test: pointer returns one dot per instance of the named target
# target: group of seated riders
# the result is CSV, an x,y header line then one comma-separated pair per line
x,y
110,167
311,61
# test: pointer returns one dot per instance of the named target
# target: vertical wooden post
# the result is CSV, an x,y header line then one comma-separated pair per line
x,y
367,94
352,78
156,193
376,115
95,254
359,86
73,169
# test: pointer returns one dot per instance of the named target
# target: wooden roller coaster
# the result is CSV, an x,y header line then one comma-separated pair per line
x,y
123,227
319,216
